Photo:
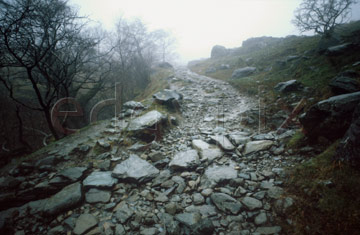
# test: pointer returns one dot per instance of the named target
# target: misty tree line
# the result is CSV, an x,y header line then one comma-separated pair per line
x,y
48,52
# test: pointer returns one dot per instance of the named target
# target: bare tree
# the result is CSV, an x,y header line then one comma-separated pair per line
x,y
44,48
322,16
165,43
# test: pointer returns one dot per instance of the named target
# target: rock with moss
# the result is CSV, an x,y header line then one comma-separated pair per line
x,y
243,72
330,118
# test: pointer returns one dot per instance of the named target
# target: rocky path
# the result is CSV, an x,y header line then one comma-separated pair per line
x,y
208,175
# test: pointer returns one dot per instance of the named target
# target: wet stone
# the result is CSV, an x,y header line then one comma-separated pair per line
x,y
100,179
84,223
226,203
95,195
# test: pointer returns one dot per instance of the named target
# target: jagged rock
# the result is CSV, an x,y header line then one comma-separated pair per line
x,y
204,210
204,226
168,97
133,105
251,203
181,184
258,145
211,154
135,169
223,142
346,82
198,198
217,175
162,177
66,199
238,139
123,213
73,174
95,195
330,118
289,86
188,219
206,151
151,121
218,51
85,223
185,160
269,230
100,179
200,145
243,72
226,203
338,49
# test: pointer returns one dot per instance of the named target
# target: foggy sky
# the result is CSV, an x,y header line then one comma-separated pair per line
x,y
200,24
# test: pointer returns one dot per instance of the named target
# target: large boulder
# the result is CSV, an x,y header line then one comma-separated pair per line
x,y
243,72
330,118
67,198
135,169
218,51
289,86
147,125
218,175
168,97
185,160
349,147
133,105
345,82
339,49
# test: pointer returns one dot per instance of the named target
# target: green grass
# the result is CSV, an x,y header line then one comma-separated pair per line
x,y
296,141
327,196
158,82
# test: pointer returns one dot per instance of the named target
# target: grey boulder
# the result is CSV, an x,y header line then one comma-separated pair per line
x,y
135,169
226,203
243,72
185,160
289,86
330,118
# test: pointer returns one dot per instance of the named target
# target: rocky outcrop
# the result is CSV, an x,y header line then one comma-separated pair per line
x,y
147,126
330,118
243,72
349,148
339,49
289,86
218,51
345,82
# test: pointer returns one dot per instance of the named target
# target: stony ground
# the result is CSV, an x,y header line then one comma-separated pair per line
x,y
207,175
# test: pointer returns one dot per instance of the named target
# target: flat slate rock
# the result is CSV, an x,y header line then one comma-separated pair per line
x,y
251,203
73,174
258,145
185,160
226,203
216,174
145,121
84,223
223,142
95,195
188,219
100,179
135,169
66,199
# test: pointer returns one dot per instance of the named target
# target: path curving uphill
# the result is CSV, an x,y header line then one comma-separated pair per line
x,y
207,175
